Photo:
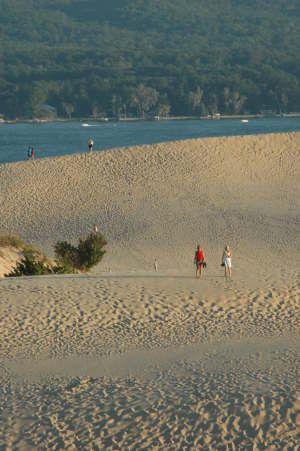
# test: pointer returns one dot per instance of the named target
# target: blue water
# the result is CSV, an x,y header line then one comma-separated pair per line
x,y
60,138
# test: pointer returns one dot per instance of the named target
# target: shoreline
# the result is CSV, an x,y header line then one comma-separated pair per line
x,y
135,119
158,143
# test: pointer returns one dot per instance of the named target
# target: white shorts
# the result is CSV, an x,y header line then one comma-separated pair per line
x,y
227,262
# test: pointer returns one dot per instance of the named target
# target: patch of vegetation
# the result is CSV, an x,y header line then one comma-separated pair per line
x,y
69,258
88,253
66,255
16,242
30,265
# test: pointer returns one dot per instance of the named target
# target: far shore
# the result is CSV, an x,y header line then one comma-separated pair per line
x,y
216,116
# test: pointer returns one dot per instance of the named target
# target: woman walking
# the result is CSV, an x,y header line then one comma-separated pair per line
x,y
226,261
199,261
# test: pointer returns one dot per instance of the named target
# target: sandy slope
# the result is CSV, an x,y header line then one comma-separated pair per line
x,y
160,200
139,360
8,258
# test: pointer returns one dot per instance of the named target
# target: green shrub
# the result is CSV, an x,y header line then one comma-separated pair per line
x,y
30,265
88,253
90,250
62,268
66,254
69,259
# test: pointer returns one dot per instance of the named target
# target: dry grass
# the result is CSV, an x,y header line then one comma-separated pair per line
x,y
17,242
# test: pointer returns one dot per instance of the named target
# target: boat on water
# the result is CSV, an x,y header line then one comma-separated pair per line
x,y
245,121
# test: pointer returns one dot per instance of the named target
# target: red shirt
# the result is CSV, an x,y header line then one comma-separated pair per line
x,y
199,255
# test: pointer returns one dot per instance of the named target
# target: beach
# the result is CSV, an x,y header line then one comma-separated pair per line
x,y
127,357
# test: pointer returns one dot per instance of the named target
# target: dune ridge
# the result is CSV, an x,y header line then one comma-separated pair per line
x,y
150,200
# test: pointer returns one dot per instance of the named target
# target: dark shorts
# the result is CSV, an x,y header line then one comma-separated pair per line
x,y
199,263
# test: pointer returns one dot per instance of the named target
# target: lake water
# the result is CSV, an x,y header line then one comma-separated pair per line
x,y
60,138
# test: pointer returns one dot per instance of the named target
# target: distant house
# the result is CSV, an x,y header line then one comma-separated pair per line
x,y
47,111
268,110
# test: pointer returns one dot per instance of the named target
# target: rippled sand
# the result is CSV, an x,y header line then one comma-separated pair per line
x,y
120,362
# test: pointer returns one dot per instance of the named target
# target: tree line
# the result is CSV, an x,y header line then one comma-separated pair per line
x,y
132,58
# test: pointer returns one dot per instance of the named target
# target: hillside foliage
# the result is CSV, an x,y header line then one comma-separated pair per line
x,y
69,259
135,57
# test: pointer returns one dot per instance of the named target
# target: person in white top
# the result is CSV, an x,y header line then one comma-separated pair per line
x,y
226,261
90,144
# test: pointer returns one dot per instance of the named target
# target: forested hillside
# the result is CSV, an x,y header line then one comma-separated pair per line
x,y
131,57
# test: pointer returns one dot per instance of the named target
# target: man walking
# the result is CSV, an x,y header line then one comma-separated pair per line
x,y
199,261
90,144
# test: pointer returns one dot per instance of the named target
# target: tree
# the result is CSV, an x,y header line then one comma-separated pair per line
x,y
233,101
226,100
213,103
163,106
116,105
88,253
284,101
29,98
95,111
143,98
79,55
68,109
66,255
195,100
237,101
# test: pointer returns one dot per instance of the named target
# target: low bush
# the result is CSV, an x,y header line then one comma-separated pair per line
x,y
69,258
66,255
30,265
61,268
88,253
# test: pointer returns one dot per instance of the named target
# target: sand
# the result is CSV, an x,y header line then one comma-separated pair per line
x,y
8,258
127,358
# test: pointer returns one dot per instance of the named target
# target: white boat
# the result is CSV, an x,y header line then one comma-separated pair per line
x,y
85,125
245,121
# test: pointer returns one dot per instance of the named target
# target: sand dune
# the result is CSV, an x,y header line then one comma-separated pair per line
x,y
133,359
160,200
8,258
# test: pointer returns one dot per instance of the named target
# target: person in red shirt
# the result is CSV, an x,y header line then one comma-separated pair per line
x,y
199,261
